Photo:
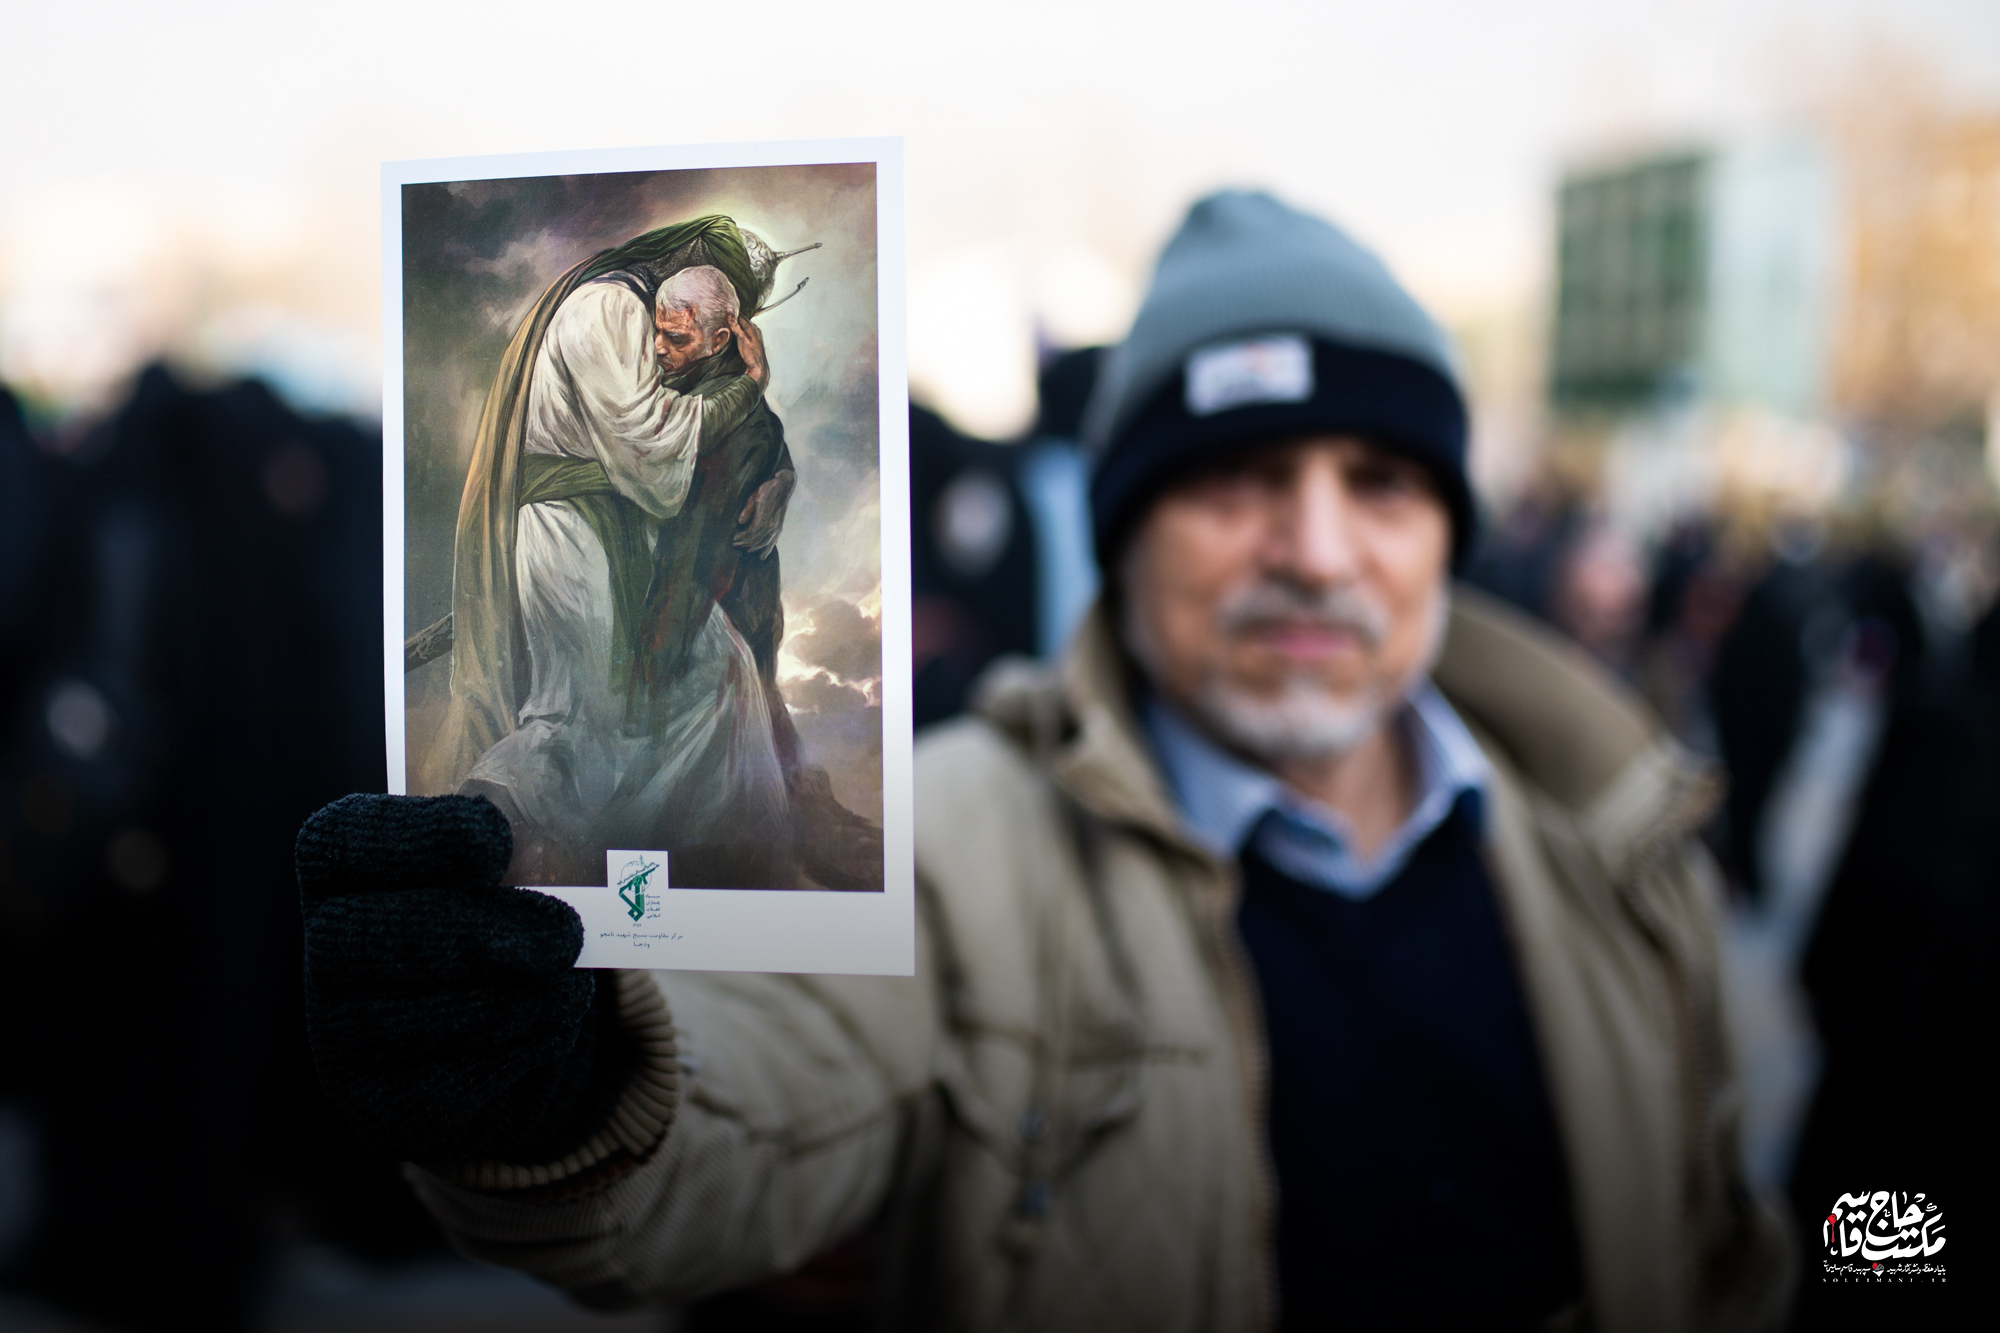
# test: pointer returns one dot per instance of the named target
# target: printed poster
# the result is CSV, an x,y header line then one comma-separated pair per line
x,y
646,541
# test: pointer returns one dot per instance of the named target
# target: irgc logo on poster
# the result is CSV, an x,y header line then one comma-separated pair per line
x,y
635,882
1886,1236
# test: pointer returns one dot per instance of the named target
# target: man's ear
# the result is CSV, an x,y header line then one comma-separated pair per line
x,y
723,337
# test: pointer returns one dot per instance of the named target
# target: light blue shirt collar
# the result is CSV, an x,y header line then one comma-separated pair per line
x,y
1223,800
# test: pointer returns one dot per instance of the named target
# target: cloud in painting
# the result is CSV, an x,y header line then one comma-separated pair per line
x,y
836,636
840,728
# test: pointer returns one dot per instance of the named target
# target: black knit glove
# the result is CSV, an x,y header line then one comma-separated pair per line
x,y
447,1019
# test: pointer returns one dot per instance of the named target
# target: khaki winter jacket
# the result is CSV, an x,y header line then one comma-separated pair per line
x,y
1057,1123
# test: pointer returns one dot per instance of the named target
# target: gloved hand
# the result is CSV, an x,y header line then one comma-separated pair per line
x,y
447,1020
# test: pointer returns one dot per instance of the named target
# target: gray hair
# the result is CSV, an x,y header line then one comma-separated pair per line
x,y
706,291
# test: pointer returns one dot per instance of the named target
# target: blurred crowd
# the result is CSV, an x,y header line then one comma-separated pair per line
x,y
1843,676
190,663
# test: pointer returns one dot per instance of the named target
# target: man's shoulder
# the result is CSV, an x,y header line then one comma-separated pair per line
x,y
981,795
1564,722
970,759
1565,728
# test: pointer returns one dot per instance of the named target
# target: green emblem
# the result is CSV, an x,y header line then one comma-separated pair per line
x,y
632,887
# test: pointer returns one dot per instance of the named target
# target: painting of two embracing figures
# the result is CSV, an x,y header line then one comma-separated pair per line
x,y
616,589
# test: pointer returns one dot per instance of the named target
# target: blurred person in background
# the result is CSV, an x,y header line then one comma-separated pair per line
x,y
1825,645
1316,945
1898,964
1696,591
1055,481
1894,932
973,563
1000,557
1600,595
190,614
1520,555
1757,690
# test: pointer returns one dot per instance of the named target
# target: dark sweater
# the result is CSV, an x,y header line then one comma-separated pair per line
x,y
1420,1175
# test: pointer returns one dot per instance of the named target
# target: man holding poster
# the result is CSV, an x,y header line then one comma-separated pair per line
x,y
1321,946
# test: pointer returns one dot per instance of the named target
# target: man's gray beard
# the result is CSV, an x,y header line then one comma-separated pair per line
x,y
1302,723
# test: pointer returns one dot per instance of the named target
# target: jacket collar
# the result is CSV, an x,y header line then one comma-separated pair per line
x,y
1572,732
1107,764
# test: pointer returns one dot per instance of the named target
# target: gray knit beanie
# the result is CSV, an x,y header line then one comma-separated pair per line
x,y
1262,323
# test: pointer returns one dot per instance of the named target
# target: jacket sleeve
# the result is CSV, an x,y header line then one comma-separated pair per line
x,y
788,1112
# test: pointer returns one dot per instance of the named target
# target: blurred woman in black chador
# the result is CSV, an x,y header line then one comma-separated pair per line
x,y
1901,978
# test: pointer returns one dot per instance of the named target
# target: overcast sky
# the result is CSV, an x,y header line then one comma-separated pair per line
x,y
204,175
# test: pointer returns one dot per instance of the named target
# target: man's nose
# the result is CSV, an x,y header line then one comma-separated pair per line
x,y
1314,542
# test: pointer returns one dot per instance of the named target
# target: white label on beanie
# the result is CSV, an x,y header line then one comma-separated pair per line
x,y
1276,369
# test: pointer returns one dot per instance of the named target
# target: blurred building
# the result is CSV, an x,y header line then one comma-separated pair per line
x,y
1918,343
1704,273
1782,319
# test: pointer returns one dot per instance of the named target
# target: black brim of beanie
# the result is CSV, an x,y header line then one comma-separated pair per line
x,y
1392,401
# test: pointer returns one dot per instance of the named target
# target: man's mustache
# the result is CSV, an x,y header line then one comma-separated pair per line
x,y
1342,609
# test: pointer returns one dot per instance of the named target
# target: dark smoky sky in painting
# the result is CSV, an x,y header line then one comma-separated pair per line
x,y
477,254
